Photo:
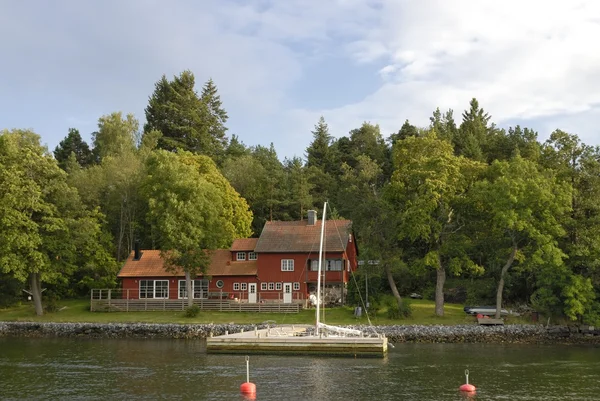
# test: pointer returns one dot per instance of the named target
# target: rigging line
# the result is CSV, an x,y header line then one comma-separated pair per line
x,y
355,282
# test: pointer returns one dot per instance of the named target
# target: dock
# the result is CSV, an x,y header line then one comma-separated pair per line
x,y
295,340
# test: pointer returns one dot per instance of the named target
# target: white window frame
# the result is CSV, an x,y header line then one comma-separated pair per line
x,y
252,256
314,265
199,287
151,293
296,286
236,286
240,256
263,286
244,287
271,286
278,286
287,265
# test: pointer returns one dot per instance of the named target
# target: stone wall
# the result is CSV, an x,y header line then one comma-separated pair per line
x,y
396,334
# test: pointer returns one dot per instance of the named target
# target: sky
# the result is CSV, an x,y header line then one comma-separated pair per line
x,y
281,64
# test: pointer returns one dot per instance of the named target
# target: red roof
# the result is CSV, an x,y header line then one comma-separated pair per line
x,y
299,236
152,265
244,244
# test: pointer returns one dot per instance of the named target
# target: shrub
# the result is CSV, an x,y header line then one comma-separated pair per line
x,y
192,311
393,310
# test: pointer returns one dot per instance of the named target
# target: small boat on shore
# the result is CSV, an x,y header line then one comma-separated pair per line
x,y
484,310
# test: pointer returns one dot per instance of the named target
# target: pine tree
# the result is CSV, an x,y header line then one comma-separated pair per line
x,y
73,144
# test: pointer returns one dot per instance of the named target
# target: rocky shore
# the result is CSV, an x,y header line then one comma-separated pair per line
x,y
532,334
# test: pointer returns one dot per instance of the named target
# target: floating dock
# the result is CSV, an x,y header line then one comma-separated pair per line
x,y
296,340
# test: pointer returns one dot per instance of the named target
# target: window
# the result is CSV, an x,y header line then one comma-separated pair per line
x,y
263,286
240,256
271,286
154,289
220,284
278,286
252,256
236,286
296,286
334,264
287,265
314,265
244,286
200,288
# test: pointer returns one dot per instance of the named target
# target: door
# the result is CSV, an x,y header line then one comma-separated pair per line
x,y
287,293
251,293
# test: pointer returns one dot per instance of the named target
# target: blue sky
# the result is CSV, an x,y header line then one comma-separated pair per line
x,y
279,65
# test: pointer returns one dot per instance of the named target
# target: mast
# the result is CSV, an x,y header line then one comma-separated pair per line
x,y
319,269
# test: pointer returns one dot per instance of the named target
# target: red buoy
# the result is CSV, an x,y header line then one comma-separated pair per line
x,y
248,389
467,388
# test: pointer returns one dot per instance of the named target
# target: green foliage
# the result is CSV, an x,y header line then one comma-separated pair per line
x,y
192,311
395,310
187,121
73,145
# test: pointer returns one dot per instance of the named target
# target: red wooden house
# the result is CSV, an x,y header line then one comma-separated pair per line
x,y
279,266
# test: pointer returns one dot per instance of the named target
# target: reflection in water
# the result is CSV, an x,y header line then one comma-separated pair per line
x,y
84,369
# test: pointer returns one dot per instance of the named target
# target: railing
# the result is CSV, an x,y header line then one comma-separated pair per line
x,y
117,300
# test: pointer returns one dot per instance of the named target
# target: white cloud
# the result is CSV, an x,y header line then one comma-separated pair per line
x,y
521,59
524,60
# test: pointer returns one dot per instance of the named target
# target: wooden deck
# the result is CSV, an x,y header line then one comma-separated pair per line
x,y
138,305
490,321
293,340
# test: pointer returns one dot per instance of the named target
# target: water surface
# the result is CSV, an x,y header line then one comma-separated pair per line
x,y
135,369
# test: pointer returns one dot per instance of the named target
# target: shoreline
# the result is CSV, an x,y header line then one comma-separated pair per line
x,y
509,334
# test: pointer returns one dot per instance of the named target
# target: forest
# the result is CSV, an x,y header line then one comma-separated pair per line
x,y
459,211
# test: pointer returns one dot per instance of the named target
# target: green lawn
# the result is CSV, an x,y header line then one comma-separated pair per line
x,y
78,311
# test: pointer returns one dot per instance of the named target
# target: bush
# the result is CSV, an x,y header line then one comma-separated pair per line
x,y
395,312
192,311
51,303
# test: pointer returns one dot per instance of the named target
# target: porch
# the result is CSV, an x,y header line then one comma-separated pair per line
x,y
118,300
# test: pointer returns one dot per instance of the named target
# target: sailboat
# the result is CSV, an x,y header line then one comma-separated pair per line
x,y
322,339
322,326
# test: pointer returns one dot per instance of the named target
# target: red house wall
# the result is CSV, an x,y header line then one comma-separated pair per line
x,y
132,284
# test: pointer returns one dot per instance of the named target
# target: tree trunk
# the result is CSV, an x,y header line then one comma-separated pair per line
x,y
439,289
188,289
507,265
36,292
388,273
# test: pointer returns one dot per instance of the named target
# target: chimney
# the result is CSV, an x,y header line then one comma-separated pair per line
x,y
312,217
137,254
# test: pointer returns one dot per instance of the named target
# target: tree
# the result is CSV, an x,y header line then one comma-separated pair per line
x,y
373,218
428,182
472,137
299,186
520,209
116,135
47,232
73,144
187,121
318,152
407,130
193,210
216,118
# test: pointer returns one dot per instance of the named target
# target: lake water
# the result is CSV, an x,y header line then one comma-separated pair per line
x,y
94,369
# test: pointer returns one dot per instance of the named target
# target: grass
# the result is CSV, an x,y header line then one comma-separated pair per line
x,y
77,310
